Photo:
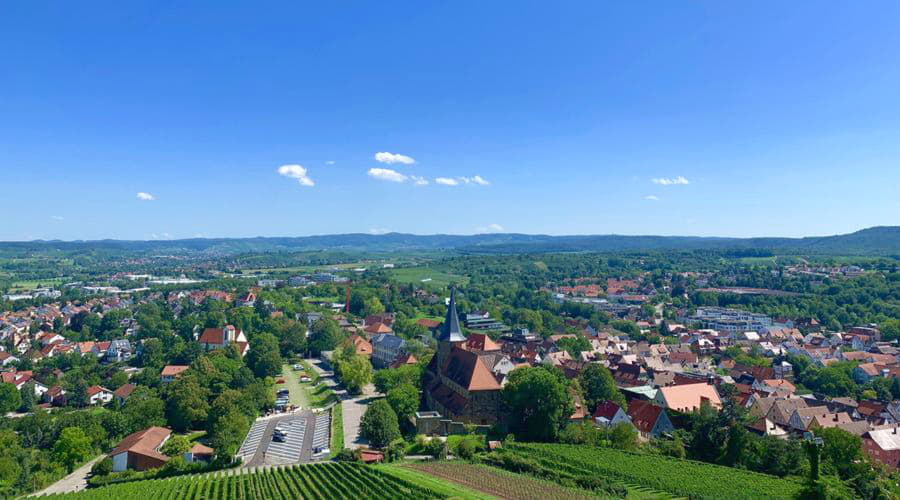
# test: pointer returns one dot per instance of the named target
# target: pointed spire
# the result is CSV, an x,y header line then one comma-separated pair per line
x,y
450,330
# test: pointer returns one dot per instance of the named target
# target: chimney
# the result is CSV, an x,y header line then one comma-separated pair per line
x,y
835,417
895,429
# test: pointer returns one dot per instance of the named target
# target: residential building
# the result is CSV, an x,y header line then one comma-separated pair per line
x,y
122,393
650,420
386,348
140,450
219,338
609,414
171,372
688,397
883,445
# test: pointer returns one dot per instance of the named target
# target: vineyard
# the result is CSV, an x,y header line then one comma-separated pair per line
x,y
319,481
678,477
499,483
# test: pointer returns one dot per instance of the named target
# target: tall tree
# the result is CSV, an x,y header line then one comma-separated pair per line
x,y
72,448
539,402
10,400
404,399
356,372
379,424
264,357
187,404
598,385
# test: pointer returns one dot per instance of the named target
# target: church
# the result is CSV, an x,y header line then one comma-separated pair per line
x,y
457,382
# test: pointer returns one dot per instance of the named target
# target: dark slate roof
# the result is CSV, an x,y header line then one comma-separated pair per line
x,y
388,341
450,330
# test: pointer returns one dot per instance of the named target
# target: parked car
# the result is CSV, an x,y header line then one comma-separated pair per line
x,y
320,450
298,368
305,379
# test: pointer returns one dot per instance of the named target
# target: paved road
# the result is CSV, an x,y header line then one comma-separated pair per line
x,y
353,407
76,481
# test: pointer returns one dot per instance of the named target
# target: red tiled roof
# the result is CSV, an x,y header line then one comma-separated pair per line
x,y
144,442
213,336
481,342
428,323
173,370
607,410
125,391
643,414
95,389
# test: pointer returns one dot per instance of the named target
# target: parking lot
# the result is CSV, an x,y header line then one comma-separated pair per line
x,y
290,449
302,433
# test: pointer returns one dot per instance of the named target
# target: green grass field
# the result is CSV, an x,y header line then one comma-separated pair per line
x,y
298,392
419,275
26,285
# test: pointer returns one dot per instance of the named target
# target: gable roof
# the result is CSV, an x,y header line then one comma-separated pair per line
x,y
468,370
688,397
173,370
481,342
644,414
607,410
212,336
144,442
95,389
125,390
377,328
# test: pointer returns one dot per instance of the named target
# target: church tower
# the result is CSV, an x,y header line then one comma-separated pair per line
x,y
451,334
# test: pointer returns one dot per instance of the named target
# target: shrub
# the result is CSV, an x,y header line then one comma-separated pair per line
x,y
102,468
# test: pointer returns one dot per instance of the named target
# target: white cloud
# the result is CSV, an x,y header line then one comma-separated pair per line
x,y
490,228
391,158
387,174
447,181
57,217
379,230
330,162
651,197
296,172
418,180
664,181
456,181
475,180
145,196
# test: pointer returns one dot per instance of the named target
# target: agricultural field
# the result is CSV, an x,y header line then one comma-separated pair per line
x,y
498,483
674,476
443,487
425,276
331,480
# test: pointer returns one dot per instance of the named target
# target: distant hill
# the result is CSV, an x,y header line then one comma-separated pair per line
x,y
884,240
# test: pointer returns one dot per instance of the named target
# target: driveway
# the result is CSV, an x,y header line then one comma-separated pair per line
x,y
76,481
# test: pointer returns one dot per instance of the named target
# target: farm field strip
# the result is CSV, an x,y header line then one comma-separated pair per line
x,y
319,481
679,477
498,483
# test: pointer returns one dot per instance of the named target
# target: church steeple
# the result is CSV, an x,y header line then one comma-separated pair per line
x,y
450,330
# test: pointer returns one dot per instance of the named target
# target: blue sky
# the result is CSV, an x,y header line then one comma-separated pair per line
x,y
765,118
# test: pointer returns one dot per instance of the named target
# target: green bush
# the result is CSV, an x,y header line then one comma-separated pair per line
x,y
102,468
